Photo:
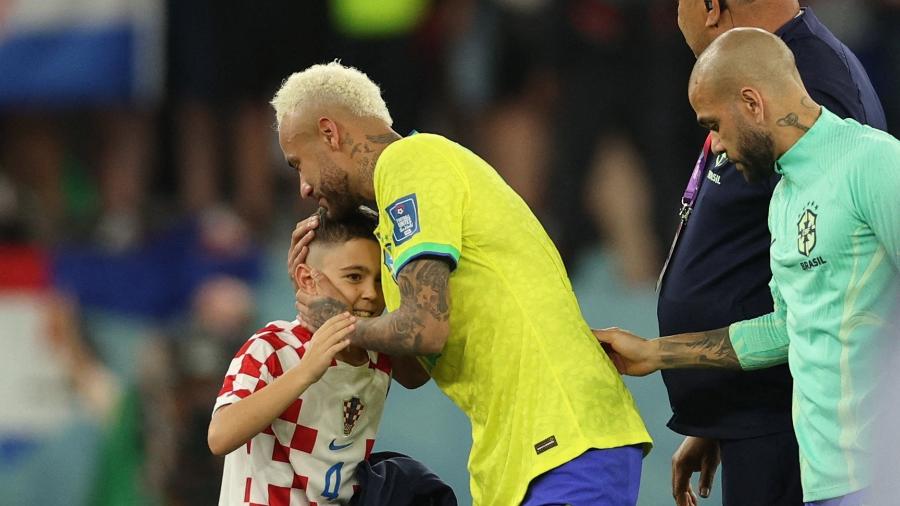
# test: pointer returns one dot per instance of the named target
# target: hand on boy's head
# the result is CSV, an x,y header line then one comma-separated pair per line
x,y
303,234
314,309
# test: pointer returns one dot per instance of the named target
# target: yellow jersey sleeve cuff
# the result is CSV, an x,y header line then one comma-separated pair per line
x,y
431,249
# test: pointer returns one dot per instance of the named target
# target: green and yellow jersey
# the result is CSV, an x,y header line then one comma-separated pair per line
x,y
520,361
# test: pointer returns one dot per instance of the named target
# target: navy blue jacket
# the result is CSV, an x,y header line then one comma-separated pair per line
x,y
394,479
719,271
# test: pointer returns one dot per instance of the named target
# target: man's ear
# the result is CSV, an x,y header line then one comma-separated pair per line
x,y
329,133
304,279
713,12
752,102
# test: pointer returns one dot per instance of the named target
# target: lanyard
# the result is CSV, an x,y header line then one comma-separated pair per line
x,y
693,187
688,199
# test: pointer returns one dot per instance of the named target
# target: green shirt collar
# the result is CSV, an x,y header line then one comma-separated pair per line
x,y
805,148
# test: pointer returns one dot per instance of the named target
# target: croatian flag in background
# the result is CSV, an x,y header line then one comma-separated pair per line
x,y
80,52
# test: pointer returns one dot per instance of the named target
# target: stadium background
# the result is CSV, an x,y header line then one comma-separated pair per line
x,y
145,211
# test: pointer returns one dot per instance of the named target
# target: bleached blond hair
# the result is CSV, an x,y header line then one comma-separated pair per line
x,y
330,84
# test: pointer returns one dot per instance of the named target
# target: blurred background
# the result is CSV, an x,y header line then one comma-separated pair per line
x,y
145,209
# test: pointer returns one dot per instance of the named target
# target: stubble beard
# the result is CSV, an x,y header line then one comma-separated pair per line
x,y
335,187
757,154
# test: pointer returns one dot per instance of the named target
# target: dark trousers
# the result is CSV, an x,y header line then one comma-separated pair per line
x,y
761,471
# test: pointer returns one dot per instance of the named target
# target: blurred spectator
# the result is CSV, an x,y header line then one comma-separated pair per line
x,y
91,63
618,198
226,59
601,118
58,397
385,38
126,294
180,376
502,80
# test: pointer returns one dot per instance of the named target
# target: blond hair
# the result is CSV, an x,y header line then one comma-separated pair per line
x,y
328,85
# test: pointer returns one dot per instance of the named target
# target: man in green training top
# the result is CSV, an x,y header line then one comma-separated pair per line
x,y
835,224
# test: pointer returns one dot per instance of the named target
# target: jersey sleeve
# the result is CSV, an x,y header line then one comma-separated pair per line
x,y
423,195
875,192
249,371
762,341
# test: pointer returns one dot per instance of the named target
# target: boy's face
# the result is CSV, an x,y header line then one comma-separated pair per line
x,y
354,268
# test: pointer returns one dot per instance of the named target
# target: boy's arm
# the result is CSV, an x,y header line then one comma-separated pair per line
x,y
408,371
235,424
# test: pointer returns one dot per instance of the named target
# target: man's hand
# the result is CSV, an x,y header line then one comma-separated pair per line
x,y
314,310
303,234
632,355
696,454
327,342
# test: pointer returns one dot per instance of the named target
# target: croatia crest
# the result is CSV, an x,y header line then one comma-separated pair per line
x,y
353,409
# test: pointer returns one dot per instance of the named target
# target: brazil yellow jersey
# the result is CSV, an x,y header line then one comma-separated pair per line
x,y
520,361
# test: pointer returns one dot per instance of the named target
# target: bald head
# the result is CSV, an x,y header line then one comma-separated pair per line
x,y
746,57
747,91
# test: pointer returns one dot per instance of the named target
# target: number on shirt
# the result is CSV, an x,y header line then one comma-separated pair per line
x,y
335,473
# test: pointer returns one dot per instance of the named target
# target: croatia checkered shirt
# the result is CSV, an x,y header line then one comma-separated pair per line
x,y
309,454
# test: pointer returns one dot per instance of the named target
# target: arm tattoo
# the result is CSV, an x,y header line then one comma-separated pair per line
x,y
424,309
320,310
792,120
430,294
698,349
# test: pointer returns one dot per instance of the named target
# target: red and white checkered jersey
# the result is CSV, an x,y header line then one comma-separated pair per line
x,y
309,454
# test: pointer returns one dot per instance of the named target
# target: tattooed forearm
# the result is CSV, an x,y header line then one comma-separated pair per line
x,y
429,291
422,322
320,310
698,349
792,120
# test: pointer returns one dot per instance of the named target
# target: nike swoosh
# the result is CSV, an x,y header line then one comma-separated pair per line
x,y
336,448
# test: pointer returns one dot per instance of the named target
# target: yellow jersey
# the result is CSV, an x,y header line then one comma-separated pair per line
x,y
520,361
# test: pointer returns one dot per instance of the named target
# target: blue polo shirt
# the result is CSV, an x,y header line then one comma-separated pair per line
x,y
719,270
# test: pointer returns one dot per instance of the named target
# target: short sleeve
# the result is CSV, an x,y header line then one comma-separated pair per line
x,y
762,341
422,195
250,370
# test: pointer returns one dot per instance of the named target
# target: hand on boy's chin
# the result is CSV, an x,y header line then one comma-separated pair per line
x,y
315,309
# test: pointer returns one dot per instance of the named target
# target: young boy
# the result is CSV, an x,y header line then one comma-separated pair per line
x,y
299,439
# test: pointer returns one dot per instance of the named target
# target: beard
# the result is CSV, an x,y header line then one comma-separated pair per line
x,y
757,151
335,188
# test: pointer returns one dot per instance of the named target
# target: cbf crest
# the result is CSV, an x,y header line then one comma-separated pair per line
x,y
806,230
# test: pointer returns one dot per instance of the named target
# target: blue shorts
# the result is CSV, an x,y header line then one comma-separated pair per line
x,y
610,477
854,499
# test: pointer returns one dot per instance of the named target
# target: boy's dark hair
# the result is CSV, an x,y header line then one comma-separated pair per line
x,y
356,225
